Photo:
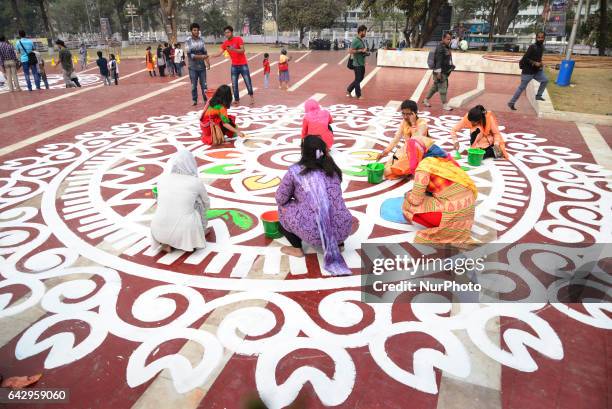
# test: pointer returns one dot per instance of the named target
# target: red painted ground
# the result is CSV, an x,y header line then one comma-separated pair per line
x,y
580,380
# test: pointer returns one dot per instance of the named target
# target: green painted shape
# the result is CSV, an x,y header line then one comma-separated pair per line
x,y
240,219
363,172
222,169
141,168
466,168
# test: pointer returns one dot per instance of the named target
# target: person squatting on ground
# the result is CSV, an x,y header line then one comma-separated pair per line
x,y
9,64
311,208
198,60
114,69
358,53
182,201
283,70
266,70
411,127
317,122
150,62
65,58
103,65
215,122
443,198
234,45
531,69
25,47
484,133
443,66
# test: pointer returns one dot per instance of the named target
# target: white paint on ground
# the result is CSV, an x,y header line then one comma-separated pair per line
x,y
82,121
596,143
307,77
302,57
60,97
416,95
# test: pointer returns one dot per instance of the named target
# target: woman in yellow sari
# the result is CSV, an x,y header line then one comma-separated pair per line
x,y
448,213
411,127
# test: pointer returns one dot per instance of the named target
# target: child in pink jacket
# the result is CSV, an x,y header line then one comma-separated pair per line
x,y
317,122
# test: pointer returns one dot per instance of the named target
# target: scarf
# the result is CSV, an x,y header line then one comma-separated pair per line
x,y
436,161
313,184
184,163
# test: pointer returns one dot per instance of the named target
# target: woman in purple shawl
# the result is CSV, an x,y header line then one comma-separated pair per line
x,y
311,208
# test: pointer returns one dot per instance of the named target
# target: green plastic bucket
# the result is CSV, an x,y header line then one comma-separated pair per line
x,y
375,172
271,224
475,156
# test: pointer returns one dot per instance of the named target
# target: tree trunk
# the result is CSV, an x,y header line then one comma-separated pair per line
x,y
168,9
430,22
491,21
119,5
17,14
507,12
602,41
302,30
43,12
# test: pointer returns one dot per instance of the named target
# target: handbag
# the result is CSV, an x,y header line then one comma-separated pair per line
x,y
32,60
349,64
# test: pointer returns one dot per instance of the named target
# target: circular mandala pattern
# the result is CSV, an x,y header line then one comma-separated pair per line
x,y
96,204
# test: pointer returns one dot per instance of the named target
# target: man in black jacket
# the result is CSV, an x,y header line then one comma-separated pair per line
x,y
443,66
532,69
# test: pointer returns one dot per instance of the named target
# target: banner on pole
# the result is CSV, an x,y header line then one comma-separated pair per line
x,y
105,28
555,21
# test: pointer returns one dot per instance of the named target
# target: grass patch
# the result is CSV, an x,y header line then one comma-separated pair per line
x,y
590,91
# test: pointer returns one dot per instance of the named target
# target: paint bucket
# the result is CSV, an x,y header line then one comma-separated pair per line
x,y
375,172
271,224
475,156
210,92
154,190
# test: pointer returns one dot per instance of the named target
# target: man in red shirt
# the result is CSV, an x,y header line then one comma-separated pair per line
x,y
235,47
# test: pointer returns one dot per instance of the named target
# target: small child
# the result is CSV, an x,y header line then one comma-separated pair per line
x,y
283,69
114,69
103,65
150,62
215,122
41,69
266,69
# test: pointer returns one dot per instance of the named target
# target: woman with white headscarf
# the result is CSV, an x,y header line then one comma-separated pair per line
x,y
180,220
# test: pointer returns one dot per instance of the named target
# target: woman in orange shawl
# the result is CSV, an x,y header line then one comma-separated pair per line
x,y
448,213
484,133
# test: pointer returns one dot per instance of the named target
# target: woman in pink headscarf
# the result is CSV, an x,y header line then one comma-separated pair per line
x,y
317,122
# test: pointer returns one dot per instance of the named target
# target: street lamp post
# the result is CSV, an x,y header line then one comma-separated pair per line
x,y
131,12
567,65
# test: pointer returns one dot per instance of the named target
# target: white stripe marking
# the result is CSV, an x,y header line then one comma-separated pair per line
x,y
307,77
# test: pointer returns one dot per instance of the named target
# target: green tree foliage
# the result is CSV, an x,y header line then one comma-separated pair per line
x,y
308,14
214,21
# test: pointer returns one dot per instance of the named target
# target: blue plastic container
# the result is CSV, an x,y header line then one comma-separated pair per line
x,y
565,73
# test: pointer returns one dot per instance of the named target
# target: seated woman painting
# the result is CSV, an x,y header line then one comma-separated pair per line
x,y
180,219
311,208
443,199
215,122
484,133
411,127
317,121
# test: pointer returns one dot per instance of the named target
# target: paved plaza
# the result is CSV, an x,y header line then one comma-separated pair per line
x,y
90,302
